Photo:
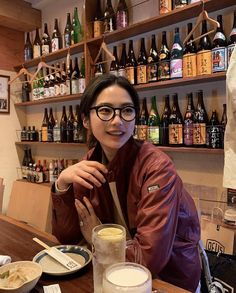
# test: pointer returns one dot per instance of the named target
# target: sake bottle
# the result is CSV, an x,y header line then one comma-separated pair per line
x,y
200,123
142,127
188,121
28,48
63,125
122,15
98,21
180,3
56,37
76,30
214,131
67,32
109,18
165,6
176,57
131,65
44,127
46,41
204,52
190,56
175,124
219,49
37,45
70,125
164,130
152,66
114,63
223,123
142,63
164,60
122,62
154,123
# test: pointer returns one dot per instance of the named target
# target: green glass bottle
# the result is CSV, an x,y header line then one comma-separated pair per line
x,y
76,32
154,123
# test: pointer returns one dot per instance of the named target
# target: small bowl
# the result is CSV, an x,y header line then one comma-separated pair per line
x,y
35,272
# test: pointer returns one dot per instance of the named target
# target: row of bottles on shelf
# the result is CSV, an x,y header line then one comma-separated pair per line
x,y
67,130
181,61
194,130
46,172
50,83
166,6
44,45
110,20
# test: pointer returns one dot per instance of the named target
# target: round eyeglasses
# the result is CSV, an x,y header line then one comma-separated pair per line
x,y
107,113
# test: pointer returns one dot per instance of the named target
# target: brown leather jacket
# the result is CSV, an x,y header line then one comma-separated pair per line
x,y
160,214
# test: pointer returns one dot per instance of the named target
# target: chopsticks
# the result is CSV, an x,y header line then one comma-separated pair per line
x,y
59,256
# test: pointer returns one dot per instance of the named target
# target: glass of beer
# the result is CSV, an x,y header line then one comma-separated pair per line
x,y
109,241
127,277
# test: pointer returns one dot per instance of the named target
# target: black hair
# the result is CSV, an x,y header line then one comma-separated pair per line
x,y
95,87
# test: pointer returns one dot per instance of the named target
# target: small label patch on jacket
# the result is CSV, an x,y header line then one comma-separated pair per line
x,y
153,188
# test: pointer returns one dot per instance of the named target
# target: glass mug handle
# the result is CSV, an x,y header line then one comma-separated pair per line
x,y
136,252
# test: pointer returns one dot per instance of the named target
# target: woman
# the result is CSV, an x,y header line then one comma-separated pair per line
x,y
160,215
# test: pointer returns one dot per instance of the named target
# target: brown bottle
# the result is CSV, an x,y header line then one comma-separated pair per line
x,y
175,124
142,64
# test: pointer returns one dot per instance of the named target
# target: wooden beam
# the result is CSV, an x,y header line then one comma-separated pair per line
x,y
19,15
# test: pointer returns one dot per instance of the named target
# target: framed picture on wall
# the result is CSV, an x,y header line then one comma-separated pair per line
x,y
4,94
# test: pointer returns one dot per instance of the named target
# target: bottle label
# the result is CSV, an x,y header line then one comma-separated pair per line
x,y
219,35
45,49
219,59
57,90
199,133
141,74
121,19
122,72
204,62
214,137
108,23
63,89
67,40
153,134
142,132
165,6
164,70
176,46
230,51
188,133
56,134
130,74
50,134
176,68
114,72
36,51
52,91
175,133
74,86
152,72
68,85
55,44
81,85
97,28
38,177
46,92
44,131
189,65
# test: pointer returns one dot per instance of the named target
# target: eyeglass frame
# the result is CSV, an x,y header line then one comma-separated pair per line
x,y
114,112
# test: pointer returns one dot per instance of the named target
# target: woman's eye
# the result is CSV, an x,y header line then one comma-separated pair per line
x,y
128,110
105,110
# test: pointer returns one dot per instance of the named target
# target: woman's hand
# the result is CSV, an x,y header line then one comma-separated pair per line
x,y
87,217
86,173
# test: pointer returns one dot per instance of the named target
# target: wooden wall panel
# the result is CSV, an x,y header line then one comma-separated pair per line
x,y
11,48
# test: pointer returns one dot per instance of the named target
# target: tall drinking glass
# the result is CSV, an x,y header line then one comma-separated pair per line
x,y
109,242
127,277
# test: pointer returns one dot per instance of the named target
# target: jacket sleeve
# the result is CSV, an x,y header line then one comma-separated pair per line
x,y
65,222
157,214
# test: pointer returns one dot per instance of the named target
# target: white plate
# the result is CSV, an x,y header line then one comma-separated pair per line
x,y
51,267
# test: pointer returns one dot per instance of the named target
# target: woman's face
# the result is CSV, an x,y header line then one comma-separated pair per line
x,y
112,134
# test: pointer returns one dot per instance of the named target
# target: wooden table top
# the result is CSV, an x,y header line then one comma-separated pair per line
x,y
16,241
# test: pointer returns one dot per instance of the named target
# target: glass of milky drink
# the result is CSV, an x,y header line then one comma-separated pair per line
x,y
127,277
109,241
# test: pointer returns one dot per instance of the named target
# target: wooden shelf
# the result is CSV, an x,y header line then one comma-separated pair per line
x,y
50,100
57,144
74,49
143,87
165,149
206,151
164,20
182,81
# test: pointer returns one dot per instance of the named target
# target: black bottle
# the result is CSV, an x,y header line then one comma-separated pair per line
x,y
63,125
131,65
122,62
214,133
152,67
28,48
175,124
164,131
164,60
109,18
142,63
